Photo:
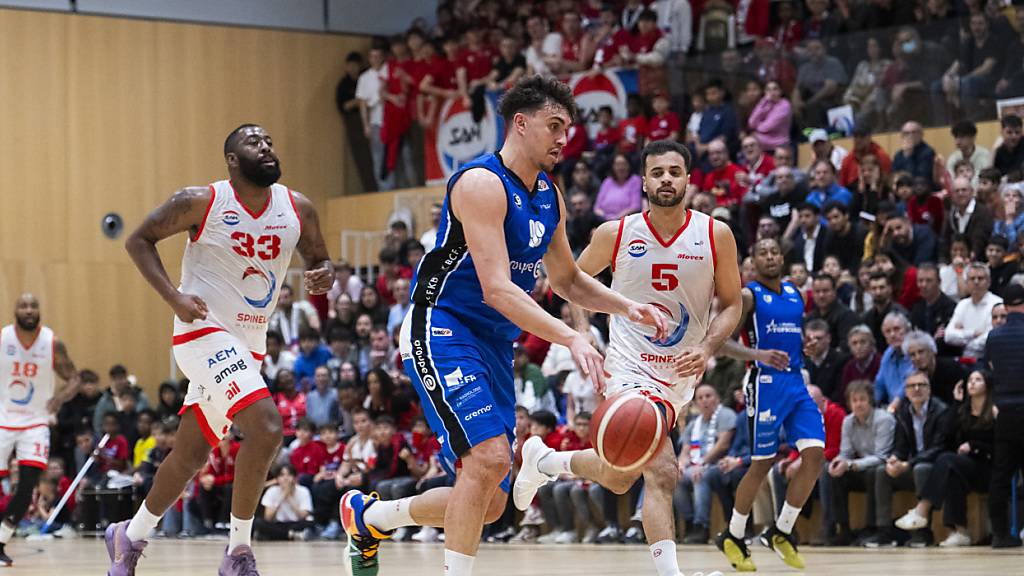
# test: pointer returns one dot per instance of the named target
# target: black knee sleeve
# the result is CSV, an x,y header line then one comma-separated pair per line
x,y
28,479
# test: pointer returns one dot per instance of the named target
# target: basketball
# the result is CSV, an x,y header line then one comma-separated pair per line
x,y
627,429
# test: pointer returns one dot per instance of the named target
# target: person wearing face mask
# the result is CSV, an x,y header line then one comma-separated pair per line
x,y
905,80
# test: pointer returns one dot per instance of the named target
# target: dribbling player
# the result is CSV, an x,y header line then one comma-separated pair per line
x,y
30,358
502,219
241,234
677,259
776,396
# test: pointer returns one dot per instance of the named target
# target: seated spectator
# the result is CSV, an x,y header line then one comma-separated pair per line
x,y
895,364
115,455
771,119
163,434
825,149
581,221
965,469
326,494
377,353
532,391
341,342
845,239
756,164
128,416
867,437
924,207
322,399
215,482
973,75
968,218
871,189
620,192
312,355
724,477
863,363
915,156
882,304
827,307
291,403
1001,270
704,442
556,498
972,317
305,455
664,124
110,399
170,398
913,244
383,400
863,145
824,187
932,312
144,441
1011,225
717,122
1009,155
780,193
56,472
824,363
397,311
346,281
922,425
291,317
278,356
964,134
78,412
345,312
865,93
819,84
360,453
287,509
944,374
373,305
722,181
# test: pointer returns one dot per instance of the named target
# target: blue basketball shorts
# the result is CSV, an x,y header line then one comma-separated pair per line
x,y
465,383
780,400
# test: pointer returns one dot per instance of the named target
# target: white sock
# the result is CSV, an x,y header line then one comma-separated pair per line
x,y
556,463
456,564
142,523
787,517
665,560
738,524
6,532
387,515
241,533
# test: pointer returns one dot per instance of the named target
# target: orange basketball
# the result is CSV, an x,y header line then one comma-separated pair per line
x,y
627,429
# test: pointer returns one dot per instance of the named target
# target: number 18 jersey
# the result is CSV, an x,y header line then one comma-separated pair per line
x,y
677,276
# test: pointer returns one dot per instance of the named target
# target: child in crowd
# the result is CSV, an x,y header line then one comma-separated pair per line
x,y
306,456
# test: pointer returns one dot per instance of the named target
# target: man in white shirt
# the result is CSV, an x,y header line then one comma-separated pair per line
x,y
345,280
972,318
291,317
287,509
371,108
543,45
964,133
277,356
429,238
400,289
824,149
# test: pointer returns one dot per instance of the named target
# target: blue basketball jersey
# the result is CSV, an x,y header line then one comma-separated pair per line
x,y
446,278
776,323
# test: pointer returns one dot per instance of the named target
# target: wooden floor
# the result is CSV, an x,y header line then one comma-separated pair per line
x,y
201,557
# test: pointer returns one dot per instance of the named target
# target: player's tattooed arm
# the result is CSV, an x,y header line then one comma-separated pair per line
x,y
65,368
319,276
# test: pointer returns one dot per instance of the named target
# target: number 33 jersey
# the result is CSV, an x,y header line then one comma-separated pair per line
x,y
677,275
237,263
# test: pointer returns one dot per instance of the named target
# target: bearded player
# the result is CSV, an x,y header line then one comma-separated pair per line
x,y
677,259
776,397
241,234
30,358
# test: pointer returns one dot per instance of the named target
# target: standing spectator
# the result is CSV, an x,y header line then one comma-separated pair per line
x,y
915,155
287,509
944,374
964,134
322,400
215,482
675,20
819,84
369,88
291,404
1009,154
312,355
895,364
865,93
827,307
967,218
772,118
863,146
922,425
824,187
845,239
908,79
824,363
278,356
543,46
509,66
664,124
110,400
347,102
576,48
621,191
704,442
1002,353
932,312
958,472
972,318
291,316
866,442
397,95
863,363
718,120
722,181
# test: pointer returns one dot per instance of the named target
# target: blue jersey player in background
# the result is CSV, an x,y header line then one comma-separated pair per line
x,y
776,396
502,221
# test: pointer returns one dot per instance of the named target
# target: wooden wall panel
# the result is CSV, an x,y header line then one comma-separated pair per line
x,y
112,115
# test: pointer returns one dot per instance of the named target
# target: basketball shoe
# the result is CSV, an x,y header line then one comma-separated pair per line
x,y
784,545
363,539
240,562
124,554
530,478
5,560
736,551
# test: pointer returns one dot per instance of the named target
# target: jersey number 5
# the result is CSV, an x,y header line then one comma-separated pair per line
x,y
269,245
662,277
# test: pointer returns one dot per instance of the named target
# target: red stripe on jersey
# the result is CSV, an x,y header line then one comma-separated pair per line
x,y
31,343
204,425
20,428
674,236
258,357
202,225
33,464
618,239
194,335
295,208
711,235
248,400
255,215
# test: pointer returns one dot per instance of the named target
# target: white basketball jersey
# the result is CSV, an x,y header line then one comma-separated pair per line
x,y
237,263
28,379
676,275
